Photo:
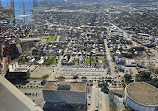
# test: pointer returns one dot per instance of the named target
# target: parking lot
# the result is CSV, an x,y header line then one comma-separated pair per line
x,y
82,71
35,94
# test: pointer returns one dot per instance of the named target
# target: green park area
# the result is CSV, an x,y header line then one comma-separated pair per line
x,y
51,61
52,39
95,61
26,62
54,62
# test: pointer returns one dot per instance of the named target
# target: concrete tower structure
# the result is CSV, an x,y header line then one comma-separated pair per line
x,y
12,3
24,9
0,4
35,3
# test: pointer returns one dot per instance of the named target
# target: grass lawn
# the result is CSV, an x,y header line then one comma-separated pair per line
x,y
103,61
54,62
87,61
52,39
26,62
75,62
93,62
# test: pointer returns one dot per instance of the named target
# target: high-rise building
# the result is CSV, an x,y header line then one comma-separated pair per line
x,y
35,3
24,9
7,50
12,3
0,4
5,57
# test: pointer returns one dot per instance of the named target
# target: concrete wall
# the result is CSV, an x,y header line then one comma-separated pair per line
x,y
64,96
136,106
12,99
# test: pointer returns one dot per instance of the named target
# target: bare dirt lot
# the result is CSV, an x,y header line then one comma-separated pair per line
x,y
40,71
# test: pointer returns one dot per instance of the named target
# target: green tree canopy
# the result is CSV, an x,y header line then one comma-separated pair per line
x,y
128,78
143,76
75,77
104,85
154,82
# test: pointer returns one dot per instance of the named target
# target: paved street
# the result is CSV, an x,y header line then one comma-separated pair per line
x,y
119,103
99,99
109,58
57,69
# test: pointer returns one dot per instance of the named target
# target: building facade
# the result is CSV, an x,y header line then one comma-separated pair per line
x,y
141,97
65,92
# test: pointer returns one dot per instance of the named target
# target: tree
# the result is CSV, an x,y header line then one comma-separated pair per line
x,y
75,77
35,52
154,82
128,78
68,57
61,77
50,61
45,76
143,76
104,85
84,77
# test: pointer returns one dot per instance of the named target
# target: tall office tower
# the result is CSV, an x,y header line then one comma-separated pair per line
x,y
24,9
35,3
12,3
13,8
0,4
5,57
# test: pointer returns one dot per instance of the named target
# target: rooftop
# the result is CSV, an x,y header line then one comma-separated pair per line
x,y
14,67
12,99
63,85
143,93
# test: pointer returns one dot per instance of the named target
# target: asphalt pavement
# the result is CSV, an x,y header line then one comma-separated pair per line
x,y
99,99
109,58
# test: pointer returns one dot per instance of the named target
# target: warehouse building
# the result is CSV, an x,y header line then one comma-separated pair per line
x,y
65,92
141,96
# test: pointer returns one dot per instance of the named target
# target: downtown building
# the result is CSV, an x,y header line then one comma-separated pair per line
x,y
5,54
8,50
65,92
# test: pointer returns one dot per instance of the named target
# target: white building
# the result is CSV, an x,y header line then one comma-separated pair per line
x,y
14,67
65,92
130,63
141,96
